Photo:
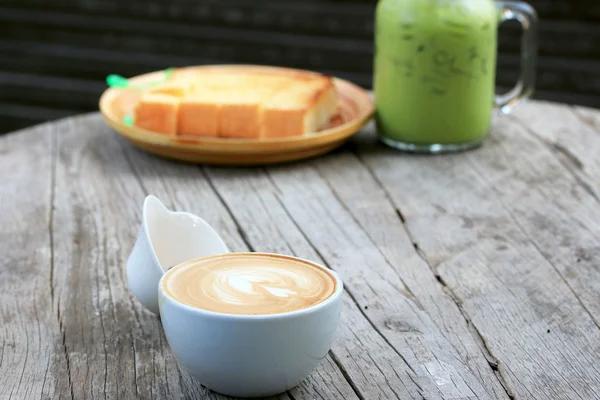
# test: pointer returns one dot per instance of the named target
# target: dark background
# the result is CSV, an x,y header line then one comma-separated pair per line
x,y
55,54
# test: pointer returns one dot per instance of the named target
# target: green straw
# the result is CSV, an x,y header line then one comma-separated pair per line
x,y
128,120
120,82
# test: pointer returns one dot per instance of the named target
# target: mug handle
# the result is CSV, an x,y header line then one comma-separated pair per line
x,y
527,16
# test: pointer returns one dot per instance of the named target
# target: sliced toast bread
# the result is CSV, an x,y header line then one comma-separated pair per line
x,y
240,104
157,112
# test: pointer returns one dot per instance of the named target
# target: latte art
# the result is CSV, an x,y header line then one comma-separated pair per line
x,y
250,284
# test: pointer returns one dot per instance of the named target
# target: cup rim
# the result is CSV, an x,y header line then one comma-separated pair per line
x,y
339,288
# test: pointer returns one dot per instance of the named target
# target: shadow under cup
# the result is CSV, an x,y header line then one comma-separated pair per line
x,y
250,355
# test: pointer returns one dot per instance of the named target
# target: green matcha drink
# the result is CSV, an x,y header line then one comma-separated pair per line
x,y
434,72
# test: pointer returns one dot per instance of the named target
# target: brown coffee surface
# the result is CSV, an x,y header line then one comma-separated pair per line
x,y
249,284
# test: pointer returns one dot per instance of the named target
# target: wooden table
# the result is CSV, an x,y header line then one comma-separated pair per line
x,y
469,276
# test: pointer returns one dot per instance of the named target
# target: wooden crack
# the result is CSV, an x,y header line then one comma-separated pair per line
x,y
53,173
346,375
53,168
65,350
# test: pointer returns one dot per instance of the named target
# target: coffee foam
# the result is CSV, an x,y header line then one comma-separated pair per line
x,y
249,284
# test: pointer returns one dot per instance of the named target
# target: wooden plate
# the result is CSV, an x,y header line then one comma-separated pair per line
x,y
355,110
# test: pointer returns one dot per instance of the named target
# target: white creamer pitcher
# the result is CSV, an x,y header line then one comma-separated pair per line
x,y
166,238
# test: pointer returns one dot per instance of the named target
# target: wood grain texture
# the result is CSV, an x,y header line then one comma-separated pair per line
x,y
470,276
491,224
570,221
33,362
376,284
115,347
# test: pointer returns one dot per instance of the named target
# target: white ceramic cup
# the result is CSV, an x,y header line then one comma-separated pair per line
x,y
250,355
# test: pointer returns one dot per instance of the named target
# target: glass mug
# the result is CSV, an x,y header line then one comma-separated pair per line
x,y
435,68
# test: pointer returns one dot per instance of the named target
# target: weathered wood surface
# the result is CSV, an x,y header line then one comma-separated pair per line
x,y
470,276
